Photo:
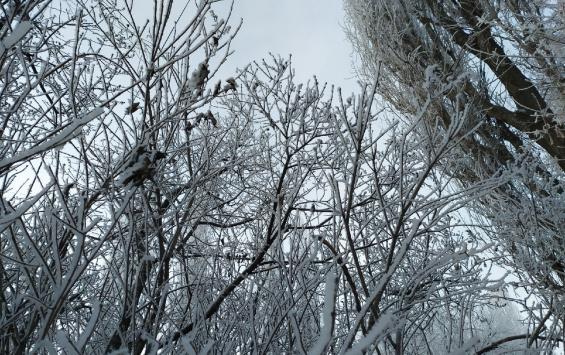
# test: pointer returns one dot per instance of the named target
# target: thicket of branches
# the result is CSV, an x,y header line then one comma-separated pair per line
x,y
150,206
504,62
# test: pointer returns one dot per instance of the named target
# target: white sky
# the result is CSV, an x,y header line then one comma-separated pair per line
x,y
310,30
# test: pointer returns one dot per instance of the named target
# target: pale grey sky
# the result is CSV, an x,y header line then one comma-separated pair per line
x,y
310,30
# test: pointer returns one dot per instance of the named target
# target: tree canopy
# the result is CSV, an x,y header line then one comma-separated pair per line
x,y
502,63
149,205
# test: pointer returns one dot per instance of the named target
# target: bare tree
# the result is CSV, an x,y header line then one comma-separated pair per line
x,y
149,206
102,152
504,62
352,195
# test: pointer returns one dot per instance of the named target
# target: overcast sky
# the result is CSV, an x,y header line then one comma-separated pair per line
x,y
310,30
